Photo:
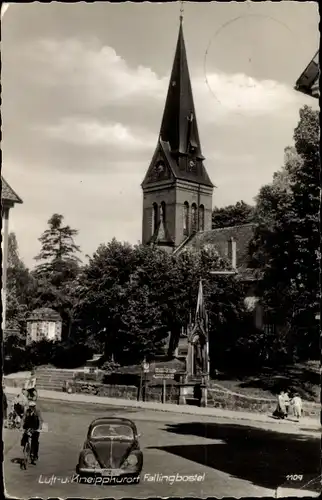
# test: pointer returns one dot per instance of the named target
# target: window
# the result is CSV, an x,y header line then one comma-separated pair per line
x,y
51,331
162,211
154,217
186,218
202,218
269,328
194,217
34,331
110,431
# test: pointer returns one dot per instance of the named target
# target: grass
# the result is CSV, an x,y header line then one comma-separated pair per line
x,y
303,378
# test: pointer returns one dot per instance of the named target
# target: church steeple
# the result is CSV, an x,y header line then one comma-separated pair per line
x,y
177,191
179,125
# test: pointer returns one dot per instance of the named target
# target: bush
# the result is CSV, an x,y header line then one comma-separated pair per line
x,y
24,357
109,366
41,352
14,352
71,355
16,360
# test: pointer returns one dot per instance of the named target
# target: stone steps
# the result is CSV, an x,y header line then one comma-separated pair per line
x,y
53,379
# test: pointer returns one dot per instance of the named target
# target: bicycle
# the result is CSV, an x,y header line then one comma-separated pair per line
x,y
14,420
27,457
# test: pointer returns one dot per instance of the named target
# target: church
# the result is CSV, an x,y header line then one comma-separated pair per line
x,y
178,192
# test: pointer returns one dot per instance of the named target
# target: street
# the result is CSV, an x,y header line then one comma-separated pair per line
x,y
233,458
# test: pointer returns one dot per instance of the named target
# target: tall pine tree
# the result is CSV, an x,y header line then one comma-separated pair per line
x,y
58,269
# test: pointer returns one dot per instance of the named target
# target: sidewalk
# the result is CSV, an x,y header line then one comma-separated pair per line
x,y
307,423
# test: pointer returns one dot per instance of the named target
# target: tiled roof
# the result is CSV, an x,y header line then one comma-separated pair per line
x,y
8,194
219,238
179,129
44,314
308,82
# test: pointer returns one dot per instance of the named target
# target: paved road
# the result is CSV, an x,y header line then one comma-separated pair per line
x,y
233,458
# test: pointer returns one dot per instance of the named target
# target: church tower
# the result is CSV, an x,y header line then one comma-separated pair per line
x,y
177,192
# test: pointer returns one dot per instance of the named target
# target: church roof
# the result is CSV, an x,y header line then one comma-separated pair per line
x,y
179,129
200,177
219,238
8,194
179,104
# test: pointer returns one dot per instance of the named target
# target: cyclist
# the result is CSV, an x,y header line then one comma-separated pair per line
x,y
33,422
30,387
20,404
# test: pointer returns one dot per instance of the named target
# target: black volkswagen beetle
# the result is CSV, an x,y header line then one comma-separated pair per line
x,y
111,449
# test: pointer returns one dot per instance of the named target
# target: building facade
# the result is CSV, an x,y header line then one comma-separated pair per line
x,y
44,324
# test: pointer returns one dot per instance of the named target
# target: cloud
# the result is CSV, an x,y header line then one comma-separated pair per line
x,y
229,94
95,74
96,134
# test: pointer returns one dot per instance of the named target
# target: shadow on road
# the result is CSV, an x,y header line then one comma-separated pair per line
x,y
262,457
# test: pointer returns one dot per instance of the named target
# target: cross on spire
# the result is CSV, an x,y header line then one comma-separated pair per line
x,y
181,11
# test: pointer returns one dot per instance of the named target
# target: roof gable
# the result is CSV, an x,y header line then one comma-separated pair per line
x,y
8,194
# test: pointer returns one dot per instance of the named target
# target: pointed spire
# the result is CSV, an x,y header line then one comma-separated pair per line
x,y
181,11
179,125
201,313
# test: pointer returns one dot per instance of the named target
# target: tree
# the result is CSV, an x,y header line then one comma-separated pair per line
x,y
101,294
56,275
57,243
131,298
289,241
232,215
19,283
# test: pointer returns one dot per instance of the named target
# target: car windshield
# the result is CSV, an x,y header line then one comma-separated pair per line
x,y
112,431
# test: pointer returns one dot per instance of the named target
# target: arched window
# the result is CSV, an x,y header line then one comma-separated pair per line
x,y
202,218
186,218
193,217
155,217
162,212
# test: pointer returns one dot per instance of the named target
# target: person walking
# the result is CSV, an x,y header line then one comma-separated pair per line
x,y
280,411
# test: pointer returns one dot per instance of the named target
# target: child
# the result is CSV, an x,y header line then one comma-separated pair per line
x,y
297,405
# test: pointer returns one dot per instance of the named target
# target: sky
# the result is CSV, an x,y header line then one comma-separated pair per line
x,y
83,89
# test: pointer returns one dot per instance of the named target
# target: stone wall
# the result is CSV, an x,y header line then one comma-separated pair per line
x,y
103,390
153,392
238,402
